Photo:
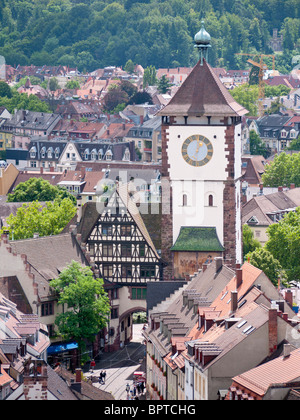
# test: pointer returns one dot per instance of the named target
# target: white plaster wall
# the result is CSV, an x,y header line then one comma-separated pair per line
x,y
197,183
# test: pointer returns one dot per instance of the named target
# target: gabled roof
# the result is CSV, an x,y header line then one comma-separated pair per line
x,y
281,370
202,93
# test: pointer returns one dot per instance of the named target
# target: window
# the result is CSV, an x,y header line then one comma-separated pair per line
x,y
107,250
184,200
142,250
126,250
107,270
125,230
126,271
139,293
210,200
47,309
106,230
114,313
147,271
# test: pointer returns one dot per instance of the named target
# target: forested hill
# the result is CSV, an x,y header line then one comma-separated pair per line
x,y
92,34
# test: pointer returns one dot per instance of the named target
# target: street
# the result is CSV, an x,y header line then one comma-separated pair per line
x,y
121,365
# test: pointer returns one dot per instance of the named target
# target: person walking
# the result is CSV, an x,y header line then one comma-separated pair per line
x,y
93,364
103,377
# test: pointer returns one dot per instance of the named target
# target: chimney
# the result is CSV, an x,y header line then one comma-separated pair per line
x,y
41,170
234,300
239,277
76,385
289,297
286,350
219,263
280,189
292,186
82,170
272,330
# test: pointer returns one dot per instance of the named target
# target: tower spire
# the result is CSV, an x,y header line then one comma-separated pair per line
x,y
202,42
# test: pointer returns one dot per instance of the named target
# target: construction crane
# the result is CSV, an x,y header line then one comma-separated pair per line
x,y
261,86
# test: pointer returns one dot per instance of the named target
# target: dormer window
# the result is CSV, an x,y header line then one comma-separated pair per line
x,y
283,133
49,153
33,153
109,155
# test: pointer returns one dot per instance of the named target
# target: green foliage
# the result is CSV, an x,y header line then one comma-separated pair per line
x,y
37,189
257,147
249,243
164,85
247,96
87,303
23,101
265,261
34,218
284,170
95,33
284,243
5,90
73,84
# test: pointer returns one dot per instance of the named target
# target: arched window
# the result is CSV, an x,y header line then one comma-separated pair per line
x,y
210,200
184,200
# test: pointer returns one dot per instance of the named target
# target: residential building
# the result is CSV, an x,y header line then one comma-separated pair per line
x,y
276,380
147,138
59,155
121,250
22,337
196,338
76,110
262,211
27,267
24,125
174,318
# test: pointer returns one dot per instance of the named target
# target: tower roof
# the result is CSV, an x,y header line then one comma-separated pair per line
x,y
203,94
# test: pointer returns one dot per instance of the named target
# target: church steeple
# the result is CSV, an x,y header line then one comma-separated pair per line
x,y
202,43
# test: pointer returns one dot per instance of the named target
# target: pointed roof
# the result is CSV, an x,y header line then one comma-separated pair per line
x,y
202,93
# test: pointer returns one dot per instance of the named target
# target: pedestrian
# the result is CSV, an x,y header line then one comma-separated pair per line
x,y
134,391
103,376
93,364
138,388
142,387
100,378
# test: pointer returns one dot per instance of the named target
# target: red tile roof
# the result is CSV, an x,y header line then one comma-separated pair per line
x,y
278,371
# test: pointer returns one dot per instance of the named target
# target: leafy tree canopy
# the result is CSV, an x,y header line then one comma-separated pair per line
x,y
284,243
38,189
284,170
95,34
34,218
87,303
249,243
265,261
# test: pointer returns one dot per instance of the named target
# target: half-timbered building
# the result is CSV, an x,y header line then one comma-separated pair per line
x,y
123,254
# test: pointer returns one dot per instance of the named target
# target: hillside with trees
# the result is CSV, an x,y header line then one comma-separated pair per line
x,y
94,33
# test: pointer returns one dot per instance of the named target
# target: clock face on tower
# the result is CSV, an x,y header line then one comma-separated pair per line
x,y
197,150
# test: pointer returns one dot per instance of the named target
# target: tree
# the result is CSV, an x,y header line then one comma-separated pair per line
x,y
247,96
86,305
46,220
284,243
38,189
257,147
73,84
265,261
5,90
53,84
113,98
284,170
164,85
249,243
129,66
295,144
149,78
